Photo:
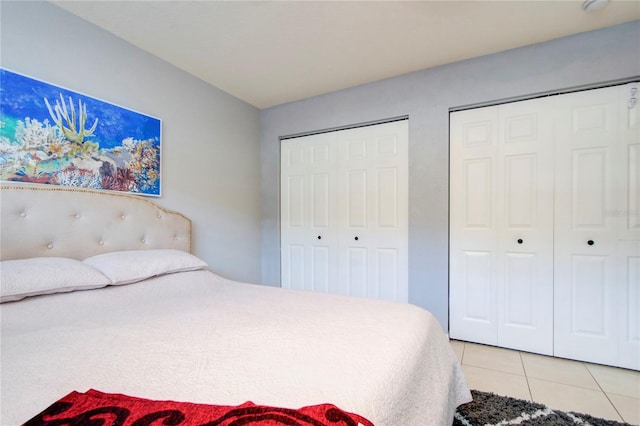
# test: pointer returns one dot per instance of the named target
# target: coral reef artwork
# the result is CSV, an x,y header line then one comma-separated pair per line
x,y
52,135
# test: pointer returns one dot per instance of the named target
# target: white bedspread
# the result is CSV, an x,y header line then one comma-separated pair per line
x,y
196,337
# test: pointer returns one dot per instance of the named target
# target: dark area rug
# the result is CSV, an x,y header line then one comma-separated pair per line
x,y
488,409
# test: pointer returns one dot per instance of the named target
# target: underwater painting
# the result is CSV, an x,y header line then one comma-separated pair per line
x,y
53,135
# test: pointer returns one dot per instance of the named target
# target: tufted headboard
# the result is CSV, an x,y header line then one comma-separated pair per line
x,y
43,221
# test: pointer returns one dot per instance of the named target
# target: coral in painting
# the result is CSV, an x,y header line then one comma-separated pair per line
x,y
140,173
45,155
33,134
145,162
72,176
68,152
59,113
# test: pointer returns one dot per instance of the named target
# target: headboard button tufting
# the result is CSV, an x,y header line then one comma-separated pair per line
x,y
76,223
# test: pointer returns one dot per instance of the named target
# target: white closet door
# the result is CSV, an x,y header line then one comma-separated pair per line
x,y
473,244
309,231
373,211
501,263
587,175
628,217
545,226
344,212
525,226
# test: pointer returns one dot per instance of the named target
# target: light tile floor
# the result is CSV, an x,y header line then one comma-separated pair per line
x,y
601,391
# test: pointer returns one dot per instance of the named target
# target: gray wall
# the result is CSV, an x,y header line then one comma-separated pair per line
x,y
210,143
426,97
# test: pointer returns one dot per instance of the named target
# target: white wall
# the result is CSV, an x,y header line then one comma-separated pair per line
x,y
210,143
426,97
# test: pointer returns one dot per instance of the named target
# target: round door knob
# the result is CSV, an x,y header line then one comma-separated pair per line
x,y
319,237
356,238
520,241
590,242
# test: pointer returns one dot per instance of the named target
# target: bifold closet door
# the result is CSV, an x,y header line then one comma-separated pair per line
x,y
597,250
628,250
373,211
560,176
344,212
473,226
501,230
309,213
525,226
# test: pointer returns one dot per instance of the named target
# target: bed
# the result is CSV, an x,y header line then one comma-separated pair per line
x,y
100,291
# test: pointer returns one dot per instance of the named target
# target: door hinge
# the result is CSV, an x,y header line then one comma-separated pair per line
x,y
633,95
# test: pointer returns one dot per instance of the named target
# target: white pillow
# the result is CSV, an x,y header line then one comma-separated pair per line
x,y
124,267
45,275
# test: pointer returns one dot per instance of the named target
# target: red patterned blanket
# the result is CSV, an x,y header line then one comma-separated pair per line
x,y
95,408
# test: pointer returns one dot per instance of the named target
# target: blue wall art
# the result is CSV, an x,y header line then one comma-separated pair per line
x,y
52,135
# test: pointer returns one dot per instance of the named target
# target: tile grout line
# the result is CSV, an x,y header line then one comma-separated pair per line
x,y
497,371
584,365
603,391
526,377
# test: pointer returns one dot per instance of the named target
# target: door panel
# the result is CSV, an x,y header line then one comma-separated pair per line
x,y
473,241
521,191
387,195
478,288
295,258
590,188
374,164
524,210
357,271
386,284
295,205
478,193
308,214
520,126
520,297
357,201
628,218
586,298
320,268
632,194
321,198
632,293
589,295
629,330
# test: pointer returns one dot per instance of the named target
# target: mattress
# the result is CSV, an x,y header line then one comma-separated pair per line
x,y
195,336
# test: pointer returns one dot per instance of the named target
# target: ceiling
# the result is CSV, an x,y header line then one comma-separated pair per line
x,y
271,52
